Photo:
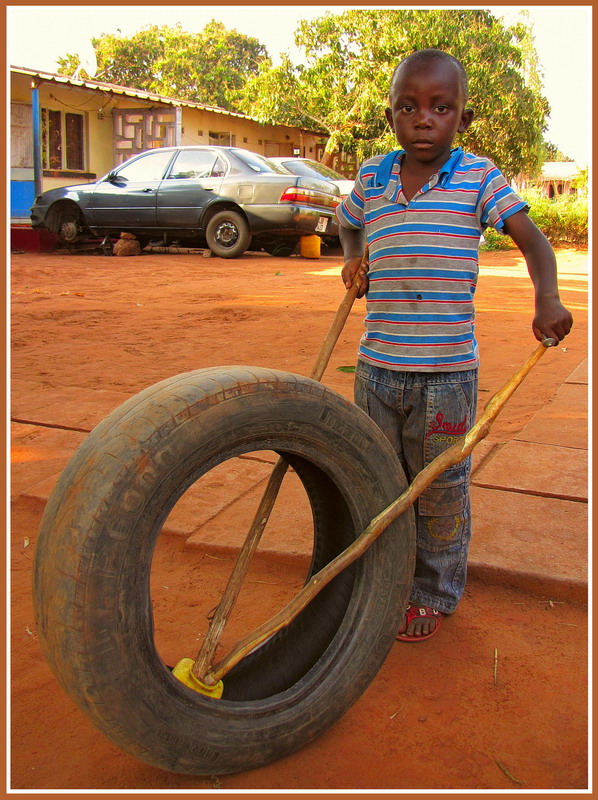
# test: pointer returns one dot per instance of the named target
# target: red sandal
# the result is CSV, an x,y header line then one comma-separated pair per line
x,y
411,612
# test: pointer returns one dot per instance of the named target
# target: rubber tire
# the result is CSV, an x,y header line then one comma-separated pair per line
x,y
94,551
282,248
239,246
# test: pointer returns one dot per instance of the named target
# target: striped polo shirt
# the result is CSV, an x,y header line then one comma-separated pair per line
x,y
423,257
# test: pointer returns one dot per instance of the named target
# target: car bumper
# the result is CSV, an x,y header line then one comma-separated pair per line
x,y
37,215
291,220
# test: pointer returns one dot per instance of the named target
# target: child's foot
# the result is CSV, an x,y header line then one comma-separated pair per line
x,y
419,623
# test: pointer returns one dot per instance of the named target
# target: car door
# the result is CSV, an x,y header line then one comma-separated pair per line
x,y
193,180
127,197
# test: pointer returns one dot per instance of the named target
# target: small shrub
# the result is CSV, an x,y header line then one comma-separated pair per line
x,y
563,220
493,240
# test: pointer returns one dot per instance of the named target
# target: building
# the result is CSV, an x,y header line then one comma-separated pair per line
x,y
66,130
556,179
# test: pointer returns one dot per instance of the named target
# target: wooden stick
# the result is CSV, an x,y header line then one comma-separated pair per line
x,y
335,331
235,582
421,482
233,587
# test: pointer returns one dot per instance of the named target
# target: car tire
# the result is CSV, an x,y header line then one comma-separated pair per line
x,y
93,556
228,234
282,248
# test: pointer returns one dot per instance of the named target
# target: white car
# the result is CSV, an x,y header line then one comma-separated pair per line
x,y
308,168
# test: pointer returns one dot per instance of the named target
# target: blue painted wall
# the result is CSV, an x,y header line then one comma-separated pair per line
x,y
22,195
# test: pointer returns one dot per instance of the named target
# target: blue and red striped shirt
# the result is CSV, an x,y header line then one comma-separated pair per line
x,y
423,257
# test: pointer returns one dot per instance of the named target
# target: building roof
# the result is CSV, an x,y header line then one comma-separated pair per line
x,y
559,170
127,91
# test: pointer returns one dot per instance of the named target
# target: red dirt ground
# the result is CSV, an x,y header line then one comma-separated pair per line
x,y
436,716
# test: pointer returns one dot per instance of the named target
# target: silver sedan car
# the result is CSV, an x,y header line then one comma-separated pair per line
x,y
315,169
227,198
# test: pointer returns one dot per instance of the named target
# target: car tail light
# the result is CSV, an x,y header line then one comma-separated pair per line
x,y
308,197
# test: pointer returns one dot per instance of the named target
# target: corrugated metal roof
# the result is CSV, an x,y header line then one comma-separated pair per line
x,y
127,91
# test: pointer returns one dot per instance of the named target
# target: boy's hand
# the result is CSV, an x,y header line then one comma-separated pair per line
x,y
552,319
354,244
356,269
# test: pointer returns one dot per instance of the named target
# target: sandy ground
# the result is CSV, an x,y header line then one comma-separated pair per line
x,y
436,716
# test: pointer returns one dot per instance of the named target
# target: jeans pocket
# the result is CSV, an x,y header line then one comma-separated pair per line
x,y
444,515
448,494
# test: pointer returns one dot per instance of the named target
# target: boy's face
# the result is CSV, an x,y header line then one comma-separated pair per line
x,y
427,110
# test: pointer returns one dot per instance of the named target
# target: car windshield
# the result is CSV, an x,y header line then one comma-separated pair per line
x,y
258,163
310,169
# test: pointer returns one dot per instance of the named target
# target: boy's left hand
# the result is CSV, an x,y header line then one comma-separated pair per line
x,y
552,320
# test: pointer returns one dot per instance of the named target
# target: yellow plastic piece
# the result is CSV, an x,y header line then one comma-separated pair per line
x,y
309,246
182,671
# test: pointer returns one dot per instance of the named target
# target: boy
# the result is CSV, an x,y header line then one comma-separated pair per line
x,y
422,210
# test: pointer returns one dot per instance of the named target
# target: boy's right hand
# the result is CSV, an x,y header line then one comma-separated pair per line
x,y
356,269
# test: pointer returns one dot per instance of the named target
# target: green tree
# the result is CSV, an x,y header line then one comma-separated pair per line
x,y
210,67
69,65
581,181
550,152
342,89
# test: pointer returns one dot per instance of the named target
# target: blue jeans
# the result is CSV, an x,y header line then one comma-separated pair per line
x,y
422,414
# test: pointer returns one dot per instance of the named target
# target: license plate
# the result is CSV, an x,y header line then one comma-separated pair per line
x,y
322,225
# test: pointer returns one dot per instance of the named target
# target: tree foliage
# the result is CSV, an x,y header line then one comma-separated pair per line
x,y
550,152
210,67
342,88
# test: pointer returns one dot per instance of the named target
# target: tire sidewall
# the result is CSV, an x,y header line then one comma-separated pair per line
x,y
136,470
243,241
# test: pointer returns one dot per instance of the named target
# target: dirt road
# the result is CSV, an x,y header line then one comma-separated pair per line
x,y
89,331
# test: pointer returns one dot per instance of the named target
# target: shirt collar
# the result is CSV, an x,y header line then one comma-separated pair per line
x,y
383,172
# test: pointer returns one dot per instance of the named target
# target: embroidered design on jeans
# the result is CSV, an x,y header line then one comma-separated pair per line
x,y
436,531
441,426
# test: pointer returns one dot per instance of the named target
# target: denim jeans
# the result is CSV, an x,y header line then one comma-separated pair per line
x,y
422,414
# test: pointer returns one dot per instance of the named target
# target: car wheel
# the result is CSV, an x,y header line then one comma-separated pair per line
x,y
282,248
70,226
228,234
92,586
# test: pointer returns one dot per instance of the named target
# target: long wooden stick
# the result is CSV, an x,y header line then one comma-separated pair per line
x,y
233,587
421,482
235,582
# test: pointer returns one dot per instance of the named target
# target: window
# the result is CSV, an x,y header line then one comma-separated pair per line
x,y
62,140
74,141
258,163
149,167
312,169
195,164
223,138
21,135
